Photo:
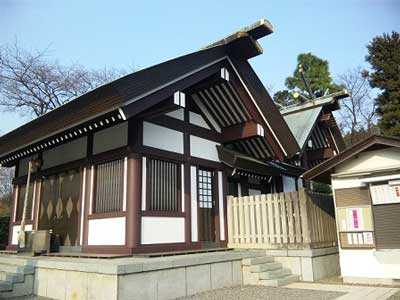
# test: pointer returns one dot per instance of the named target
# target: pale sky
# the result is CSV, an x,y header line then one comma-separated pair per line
x,y
143,33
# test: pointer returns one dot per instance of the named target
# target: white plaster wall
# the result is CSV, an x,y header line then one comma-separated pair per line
x,y
198,120
289,184
177,114
16,229
157,230
370,263
162,138
109,231
203,148
371,160
343,183
193,202
367,263
221,206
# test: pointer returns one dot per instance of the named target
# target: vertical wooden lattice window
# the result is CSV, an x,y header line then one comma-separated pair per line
x,y
109,187
163,185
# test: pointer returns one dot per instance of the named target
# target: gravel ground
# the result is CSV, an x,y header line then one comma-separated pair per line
x,y
264,293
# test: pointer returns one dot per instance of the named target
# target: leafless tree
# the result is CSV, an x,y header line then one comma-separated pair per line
x,y
357,114
31,83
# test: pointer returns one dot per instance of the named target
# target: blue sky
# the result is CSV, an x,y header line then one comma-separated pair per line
x,y
123,34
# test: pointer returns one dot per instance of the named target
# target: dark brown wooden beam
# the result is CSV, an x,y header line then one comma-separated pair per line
x,y
240,131
319,154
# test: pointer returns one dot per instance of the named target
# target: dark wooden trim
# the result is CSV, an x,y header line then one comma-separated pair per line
x,y
145,103
104,157
256,116
322,172
89,145
133,200
10,247
114,214
117,249
158,248
79,205
154,213
87,206
319,154
240,131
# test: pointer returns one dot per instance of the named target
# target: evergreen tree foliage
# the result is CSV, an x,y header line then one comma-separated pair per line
x,y
384,57
316,71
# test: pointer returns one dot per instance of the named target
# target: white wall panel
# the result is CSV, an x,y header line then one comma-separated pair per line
x,y
193,202
221,206
158,230
198,120
203,148
107,232
370,263
110,138
16,229
162,138
177,114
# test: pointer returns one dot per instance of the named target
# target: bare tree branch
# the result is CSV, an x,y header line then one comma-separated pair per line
x,y
358,110
33,85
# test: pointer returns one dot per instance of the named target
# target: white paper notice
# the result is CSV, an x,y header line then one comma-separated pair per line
x,y
349,239
360,238
354,218
344,225
368,239
355,239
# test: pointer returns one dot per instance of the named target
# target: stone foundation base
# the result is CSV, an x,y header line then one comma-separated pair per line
x,y
310,264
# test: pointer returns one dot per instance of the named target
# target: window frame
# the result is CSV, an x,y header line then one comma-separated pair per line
x,y
151,212
121,188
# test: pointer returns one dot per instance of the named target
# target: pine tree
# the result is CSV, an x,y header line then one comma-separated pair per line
x,y
316,71
384,57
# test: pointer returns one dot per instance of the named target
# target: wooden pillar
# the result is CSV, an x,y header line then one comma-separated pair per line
x,y
87,191
12,217
134,192
36,206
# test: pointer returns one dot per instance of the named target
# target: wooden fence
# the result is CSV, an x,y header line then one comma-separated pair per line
x,y
295,220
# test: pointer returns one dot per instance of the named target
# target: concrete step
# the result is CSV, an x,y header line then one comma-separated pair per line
x,y
265,267
5,286
7,268
279,281
257,260
18,289
12,277
273,274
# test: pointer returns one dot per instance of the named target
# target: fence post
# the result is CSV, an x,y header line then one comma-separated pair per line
x,y
305,221
229,200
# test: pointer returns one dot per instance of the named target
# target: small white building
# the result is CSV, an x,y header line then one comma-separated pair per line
x,y
366,186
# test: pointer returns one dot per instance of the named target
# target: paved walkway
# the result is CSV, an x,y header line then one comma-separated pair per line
x,y
352,292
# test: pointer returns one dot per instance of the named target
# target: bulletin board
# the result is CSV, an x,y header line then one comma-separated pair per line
x,y
364,239
356,228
